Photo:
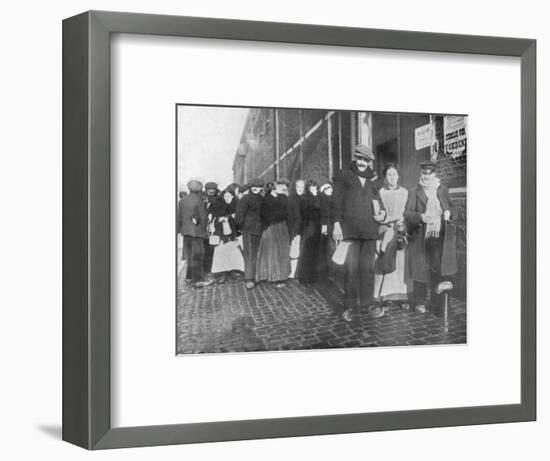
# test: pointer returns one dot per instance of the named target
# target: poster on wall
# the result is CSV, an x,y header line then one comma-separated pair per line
x,y
455,133
424,136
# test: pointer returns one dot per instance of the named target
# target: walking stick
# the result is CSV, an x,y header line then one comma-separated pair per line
x,y
445,287
380,290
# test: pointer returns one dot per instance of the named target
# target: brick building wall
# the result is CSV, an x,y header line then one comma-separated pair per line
x,y
302,141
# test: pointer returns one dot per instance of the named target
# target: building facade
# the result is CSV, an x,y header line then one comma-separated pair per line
x,y
316,144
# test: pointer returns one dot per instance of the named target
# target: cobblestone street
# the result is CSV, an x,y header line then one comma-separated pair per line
x,y
230,318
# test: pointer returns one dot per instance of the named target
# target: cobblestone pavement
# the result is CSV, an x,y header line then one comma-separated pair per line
x,y
230,318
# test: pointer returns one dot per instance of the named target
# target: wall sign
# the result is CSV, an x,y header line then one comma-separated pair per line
x,y
455,135
424,136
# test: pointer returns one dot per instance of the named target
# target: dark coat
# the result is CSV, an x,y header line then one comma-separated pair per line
x,y
417,256
224,210
179,217
215,205
294,215
274,210
327,212
248,216
310,213
308,265
192,206
352,205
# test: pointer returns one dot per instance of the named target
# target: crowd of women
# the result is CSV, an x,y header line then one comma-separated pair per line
x,y
276,231
270,232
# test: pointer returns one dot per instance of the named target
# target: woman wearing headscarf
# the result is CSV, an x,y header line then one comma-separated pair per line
x,y
227,254
310,213
273,263
297,195
432,249
389,281
328,245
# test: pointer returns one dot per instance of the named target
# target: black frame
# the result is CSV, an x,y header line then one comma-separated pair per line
x,y
86,229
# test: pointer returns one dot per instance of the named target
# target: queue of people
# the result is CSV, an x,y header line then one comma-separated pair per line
x,y
257,230
390,237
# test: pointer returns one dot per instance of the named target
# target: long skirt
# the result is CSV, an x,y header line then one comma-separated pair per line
x,y
393,284
327,268
273,263
308,266
227,257
251,243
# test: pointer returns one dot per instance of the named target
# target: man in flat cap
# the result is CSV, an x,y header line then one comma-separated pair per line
x,y
357,210
248,218
179,220
243,190
432,246
193,229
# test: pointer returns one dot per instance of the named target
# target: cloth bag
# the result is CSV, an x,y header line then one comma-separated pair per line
x,y
339,256
226,228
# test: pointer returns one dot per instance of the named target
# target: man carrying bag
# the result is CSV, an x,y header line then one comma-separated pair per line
x,y
357,212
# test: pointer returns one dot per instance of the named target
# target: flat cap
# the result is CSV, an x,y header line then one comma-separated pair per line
x,y
194,185
284,181
256,182
428,165
211,185
363,151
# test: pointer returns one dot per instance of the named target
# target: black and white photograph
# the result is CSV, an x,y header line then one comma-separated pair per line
x,y
319,229
260,236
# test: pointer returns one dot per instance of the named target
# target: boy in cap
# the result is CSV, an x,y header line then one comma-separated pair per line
x,y
357,212
432,247
248,219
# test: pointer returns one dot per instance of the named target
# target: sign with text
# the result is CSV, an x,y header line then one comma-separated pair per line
x,y
455,135
424,136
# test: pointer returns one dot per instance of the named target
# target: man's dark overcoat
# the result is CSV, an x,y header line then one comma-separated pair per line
x,y
353,207
416,251
192,206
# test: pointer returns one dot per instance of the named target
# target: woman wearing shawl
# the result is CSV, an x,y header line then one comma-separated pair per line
x,y
273,263
389,282
227,254
310,236
432,248
328,245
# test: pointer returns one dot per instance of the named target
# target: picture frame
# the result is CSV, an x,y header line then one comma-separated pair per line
x,y
86,229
